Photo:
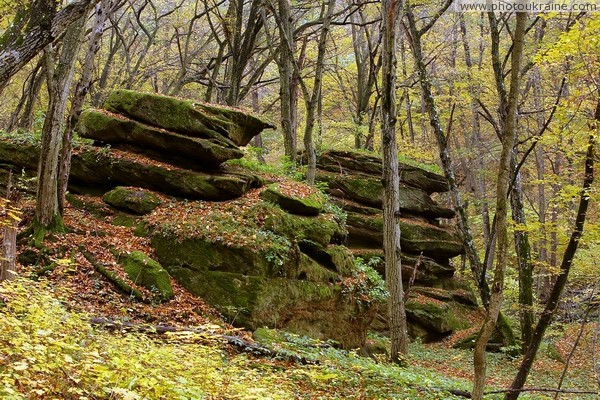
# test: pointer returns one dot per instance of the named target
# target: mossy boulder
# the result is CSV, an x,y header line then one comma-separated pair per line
x,y
203,254
425,270
187,117
310,308
146,272
158,143
333,257
311,204
136,200
435,315
321,229
251,262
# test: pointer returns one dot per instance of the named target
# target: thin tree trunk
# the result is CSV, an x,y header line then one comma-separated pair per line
x,y
434,119
21,117
312,101
565,267
523,251
257,140
286,81
504,178
9,242
81,91
391,214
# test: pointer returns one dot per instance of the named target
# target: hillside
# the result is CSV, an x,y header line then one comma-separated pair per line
x,y
54,351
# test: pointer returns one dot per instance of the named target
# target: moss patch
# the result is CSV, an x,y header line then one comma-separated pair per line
x,y
144,271
311,204
137,200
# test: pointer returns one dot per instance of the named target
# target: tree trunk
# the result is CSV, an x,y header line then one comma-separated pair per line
x,y
391,214
434,119
44,25
22,116
523,251
561,281
60,76
312,101
287,94
81,91
501,232
9,227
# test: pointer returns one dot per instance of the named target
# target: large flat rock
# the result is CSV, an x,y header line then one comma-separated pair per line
x,y
368,190
104,167
415,236
187,117
169,146
352,162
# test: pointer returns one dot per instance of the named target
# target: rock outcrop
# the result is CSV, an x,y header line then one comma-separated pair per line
x,y
437,300
264,251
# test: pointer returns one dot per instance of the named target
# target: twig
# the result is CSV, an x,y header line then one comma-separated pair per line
x,y
542,390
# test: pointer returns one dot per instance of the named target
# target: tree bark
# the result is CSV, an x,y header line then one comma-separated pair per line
x,y
9,227
312,100
501,232
81,90
60,76
523,251
287,89
44,26
391,10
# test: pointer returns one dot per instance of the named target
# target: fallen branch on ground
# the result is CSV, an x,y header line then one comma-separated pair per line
x,y
111,276
572,391
239,343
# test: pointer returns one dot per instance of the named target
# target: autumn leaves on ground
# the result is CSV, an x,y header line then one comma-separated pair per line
x,y
52,350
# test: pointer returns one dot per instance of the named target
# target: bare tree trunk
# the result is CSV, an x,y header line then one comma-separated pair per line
x,y
434,119
9,227
60,76
286,81
390,11
81,90
501,233
312,100
22,118
257,140
561,281
523,251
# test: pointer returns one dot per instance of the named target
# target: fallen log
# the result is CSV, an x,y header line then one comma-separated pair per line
x,y
239,343
114,278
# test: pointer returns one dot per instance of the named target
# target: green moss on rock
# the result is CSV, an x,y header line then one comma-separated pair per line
x,y
434,315
158,143
137,200
202,255
146,272
187,117
309,205
320,229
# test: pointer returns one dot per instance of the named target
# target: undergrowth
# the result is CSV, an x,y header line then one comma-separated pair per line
x,y
50,352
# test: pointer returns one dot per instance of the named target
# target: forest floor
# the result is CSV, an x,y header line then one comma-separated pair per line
x,y
51,351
